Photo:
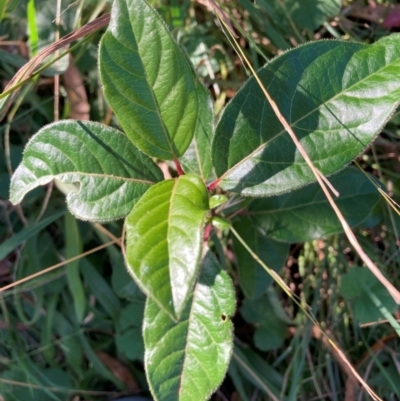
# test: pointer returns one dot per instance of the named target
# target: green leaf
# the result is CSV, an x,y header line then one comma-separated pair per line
x,y
130,343
148,81
217,200
3,6
271,329
128,338
187,360
111,172
335,95
356,285
164,234
253,279
197,158
9,245
74,247
305,214
131,316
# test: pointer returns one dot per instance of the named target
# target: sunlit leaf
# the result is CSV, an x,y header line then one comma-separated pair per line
x,y
112,174
335,95
164,235
197,158
186,360
148,81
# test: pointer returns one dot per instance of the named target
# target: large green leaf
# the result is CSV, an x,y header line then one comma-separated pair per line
x,y
187,360
305,214
148,81
335,95
253,279
111,172
164,235
197,158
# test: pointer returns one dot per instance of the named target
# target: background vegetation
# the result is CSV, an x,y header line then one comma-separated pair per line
x,y
74,333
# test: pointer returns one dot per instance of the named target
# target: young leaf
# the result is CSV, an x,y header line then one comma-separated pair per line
x,y
148,81
187,360
335,95
111,172
164,234
253,279
305,214
197,158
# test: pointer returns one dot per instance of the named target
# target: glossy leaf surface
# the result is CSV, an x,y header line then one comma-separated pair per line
x,y
164,235
187,360
148,81
305,214
335,95
253,279
111,172
197,158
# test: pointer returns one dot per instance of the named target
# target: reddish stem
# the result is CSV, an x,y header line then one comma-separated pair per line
x,y
207,232
214,184
179,168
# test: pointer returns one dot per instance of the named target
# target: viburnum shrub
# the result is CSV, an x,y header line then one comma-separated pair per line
x,y
244,173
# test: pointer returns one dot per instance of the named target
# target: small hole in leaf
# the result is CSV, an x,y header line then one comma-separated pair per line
x,y
223,317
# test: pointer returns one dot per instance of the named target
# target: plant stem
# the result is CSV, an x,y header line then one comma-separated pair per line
x,y
179,168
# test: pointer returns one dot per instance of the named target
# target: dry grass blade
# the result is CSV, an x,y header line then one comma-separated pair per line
x,y
56,266
321,181
29,67
338,353
59,389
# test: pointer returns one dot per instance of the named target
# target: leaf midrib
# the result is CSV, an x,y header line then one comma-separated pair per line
x,y
112,177
158,111
292,124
